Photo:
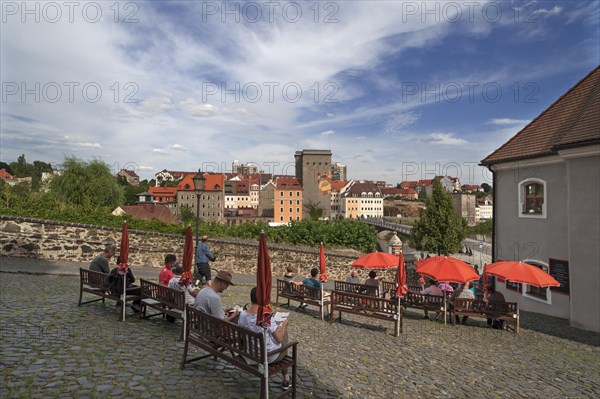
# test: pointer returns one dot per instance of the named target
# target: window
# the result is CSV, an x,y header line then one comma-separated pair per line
x,y
537,293
281,210
281,218
298,210
532,198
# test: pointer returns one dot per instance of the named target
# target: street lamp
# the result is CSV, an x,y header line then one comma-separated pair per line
x,y
480,245
198,186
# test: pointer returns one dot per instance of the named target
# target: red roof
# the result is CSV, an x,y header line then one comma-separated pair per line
x,y
163,191
425,182
288,183
337,185
149,212
214,182
572,120
187,183
409,184
130,173
397,191
5,175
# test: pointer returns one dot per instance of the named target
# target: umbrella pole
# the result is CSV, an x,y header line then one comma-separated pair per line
x,y
266,365
124,296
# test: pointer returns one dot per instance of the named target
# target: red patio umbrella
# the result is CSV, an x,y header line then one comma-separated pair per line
x,y
188,257
446,268
322,264
376,260
123,265
519,272
401,287
264,280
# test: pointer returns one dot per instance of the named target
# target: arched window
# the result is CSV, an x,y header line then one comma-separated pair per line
x,y
532,198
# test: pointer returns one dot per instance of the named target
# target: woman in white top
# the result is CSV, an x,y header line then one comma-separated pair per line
x,y
276,334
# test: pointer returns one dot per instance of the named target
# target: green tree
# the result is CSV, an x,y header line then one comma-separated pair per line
x,y
440,229
422,196
187,216
87,183
314,210
6,167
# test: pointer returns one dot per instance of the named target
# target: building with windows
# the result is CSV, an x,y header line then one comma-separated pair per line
x,y
338,171
287,201
169,175
212,198
337,187
313,171
165,196
484,208
130,176
546,196
361,199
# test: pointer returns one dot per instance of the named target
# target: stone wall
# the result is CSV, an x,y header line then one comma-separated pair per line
x,y
52,240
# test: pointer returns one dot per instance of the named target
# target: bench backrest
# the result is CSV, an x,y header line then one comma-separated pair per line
x,y
387,286
220,333
167,296
300,290
364,302
356,288
415,298
508,308
93,279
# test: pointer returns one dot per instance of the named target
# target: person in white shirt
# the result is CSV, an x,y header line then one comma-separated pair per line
x,y
190,293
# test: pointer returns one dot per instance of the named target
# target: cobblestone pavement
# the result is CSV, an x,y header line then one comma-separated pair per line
x,y
51,348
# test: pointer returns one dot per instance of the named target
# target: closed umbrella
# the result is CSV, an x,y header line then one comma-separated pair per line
x,y
123,265
264,279
322,264
401,287
188,257
376,260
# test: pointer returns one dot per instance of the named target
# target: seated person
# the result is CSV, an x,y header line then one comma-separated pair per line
x,y
466,293
353,277
209,301
115,284
100,262
184,284
166,273
311,282
276,335
493,296
433,289
289,274
372,280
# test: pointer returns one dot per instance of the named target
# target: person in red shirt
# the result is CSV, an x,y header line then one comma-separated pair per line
x,y
166,274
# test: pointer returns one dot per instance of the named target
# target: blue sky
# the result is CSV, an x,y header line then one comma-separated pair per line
x,y
397,90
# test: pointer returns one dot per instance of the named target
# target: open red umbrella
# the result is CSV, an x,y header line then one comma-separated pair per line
x,y
446,268
123,265
188,257
401,287
322,264
519,272
376,260
264,280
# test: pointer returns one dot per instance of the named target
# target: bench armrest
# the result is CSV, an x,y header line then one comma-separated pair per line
x,y
283,347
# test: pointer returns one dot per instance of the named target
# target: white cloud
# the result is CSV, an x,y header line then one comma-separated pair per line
x,y
156,104
178,147
89,145
507,121
443,139
327,133
191,107
148,168
158,151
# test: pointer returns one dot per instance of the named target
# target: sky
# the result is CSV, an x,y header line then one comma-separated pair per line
x,y
397,90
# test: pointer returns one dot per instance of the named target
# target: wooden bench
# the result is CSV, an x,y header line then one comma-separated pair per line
x,y
388,286
302,293
362,289
96,283
431,303
508,311
368,306
167,301
238,346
